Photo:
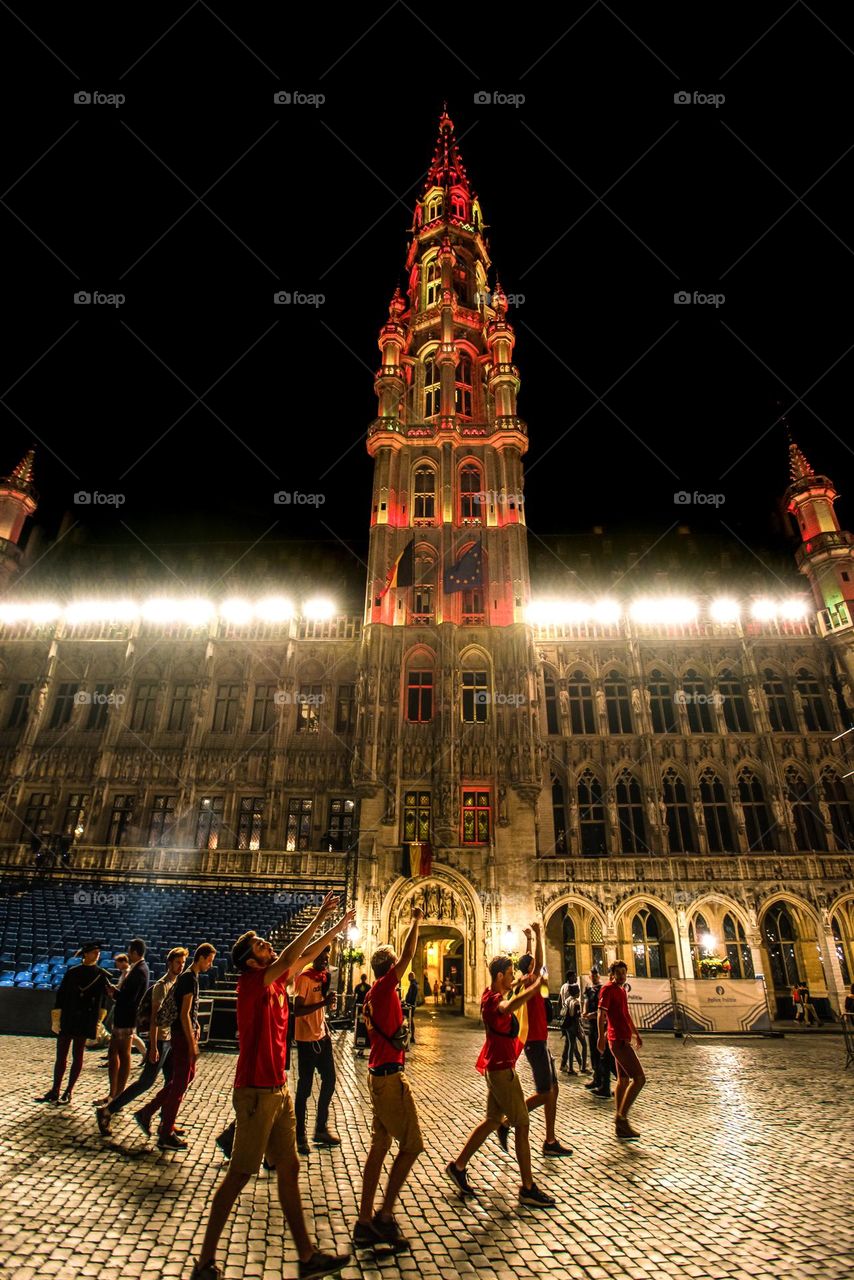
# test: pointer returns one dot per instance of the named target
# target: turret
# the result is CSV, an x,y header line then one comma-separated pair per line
x,y
18,500
826,553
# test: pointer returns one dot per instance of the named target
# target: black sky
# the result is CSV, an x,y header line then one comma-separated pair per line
x,y
604,198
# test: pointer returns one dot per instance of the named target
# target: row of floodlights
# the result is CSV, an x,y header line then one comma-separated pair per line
x,y
189,612
663,611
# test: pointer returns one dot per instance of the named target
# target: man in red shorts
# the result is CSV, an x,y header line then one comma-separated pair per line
x,y
265,1123
395,1116
505,1101
614,1004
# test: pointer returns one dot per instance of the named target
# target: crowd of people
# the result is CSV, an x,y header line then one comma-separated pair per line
x,y
270,1127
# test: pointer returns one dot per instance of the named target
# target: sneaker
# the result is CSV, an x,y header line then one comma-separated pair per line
x,y
50,1096
144,1122
624,1130
103,1117
364,1236
326,1138
590,1085
65,1100
171,1143
556,1148
102,1102
535,1197
389,1232
502,1134
459,1179
178,1130
210,1271
323,1264
601,1093
302,1145
225,1141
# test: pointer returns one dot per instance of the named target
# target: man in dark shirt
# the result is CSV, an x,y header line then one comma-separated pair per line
x,y
601,1063
132,987
360,1035
411,1000
185,1051
80,999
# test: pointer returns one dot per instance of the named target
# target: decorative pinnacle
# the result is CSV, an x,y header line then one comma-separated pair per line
x,y
22,476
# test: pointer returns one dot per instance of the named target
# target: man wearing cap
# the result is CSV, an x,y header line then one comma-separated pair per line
x,y
157,1056
265,1123
79,999
538,1053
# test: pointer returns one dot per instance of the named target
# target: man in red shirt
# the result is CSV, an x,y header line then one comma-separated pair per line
x,y
264,1112
395,1116
614,1005
538,1053
505,1100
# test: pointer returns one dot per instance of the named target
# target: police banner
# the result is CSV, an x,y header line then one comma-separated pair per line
x,y
728,1005
650,1003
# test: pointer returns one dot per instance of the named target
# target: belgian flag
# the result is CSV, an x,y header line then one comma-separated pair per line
x,y
402,572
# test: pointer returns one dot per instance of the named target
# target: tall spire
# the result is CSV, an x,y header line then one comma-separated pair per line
x,y
446,167
22,475
799,468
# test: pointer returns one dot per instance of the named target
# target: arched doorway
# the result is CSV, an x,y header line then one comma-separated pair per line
x,y
646,942
451,939
574,940
790,942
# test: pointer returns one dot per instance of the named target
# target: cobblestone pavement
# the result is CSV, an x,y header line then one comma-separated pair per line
x,y
743,1171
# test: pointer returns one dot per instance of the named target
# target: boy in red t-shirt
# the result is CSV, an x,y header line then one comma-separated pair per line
x,y
614,1006
505,1100
263,1108
395,1116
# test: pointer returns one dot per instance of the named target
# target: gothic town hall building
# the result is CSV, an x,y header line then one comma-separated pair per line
x,y
638,773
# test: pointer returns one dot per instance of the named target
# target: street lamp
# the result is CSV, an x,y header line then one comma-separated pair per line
x,y
508,938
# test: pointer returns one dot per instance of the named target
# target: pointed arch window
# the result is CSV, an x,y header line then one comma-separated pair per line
x,y
434,208
760,830
463,387
617,703
424,495
698,703
779,711
471,493
733,703
423,588
630,819
815,708
458,206
559,816
809,825
737,950
591,815
678,813
698,931
552,719
646,945
665,718
570,956
716,814
432,388
432,282
581,715
597,944
836,798
781,940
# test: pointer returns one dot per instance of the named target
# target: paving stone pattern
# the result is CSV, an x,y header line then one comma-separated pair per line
x,y
743,1171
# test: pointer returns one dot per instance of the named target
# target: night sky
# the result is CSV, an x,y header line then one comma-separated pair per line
x,y
199,198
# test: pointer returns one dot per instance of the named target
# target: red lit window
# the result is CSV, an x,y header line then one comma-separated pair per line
x,y
432,388
471,494
419,696
476,817
462,392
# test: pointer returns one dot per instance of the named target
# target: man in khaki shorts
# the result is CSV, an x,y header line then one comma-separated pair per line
x,y
505,1101
395,1116
264,1112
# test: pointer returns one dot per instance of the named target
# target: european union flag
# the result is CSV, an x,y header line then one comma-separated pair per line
x,y
466,572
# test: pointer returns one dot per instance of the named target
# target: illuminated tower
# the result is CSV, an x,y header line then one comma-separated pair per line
x,y
447,442
18,499
826,554
448,750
